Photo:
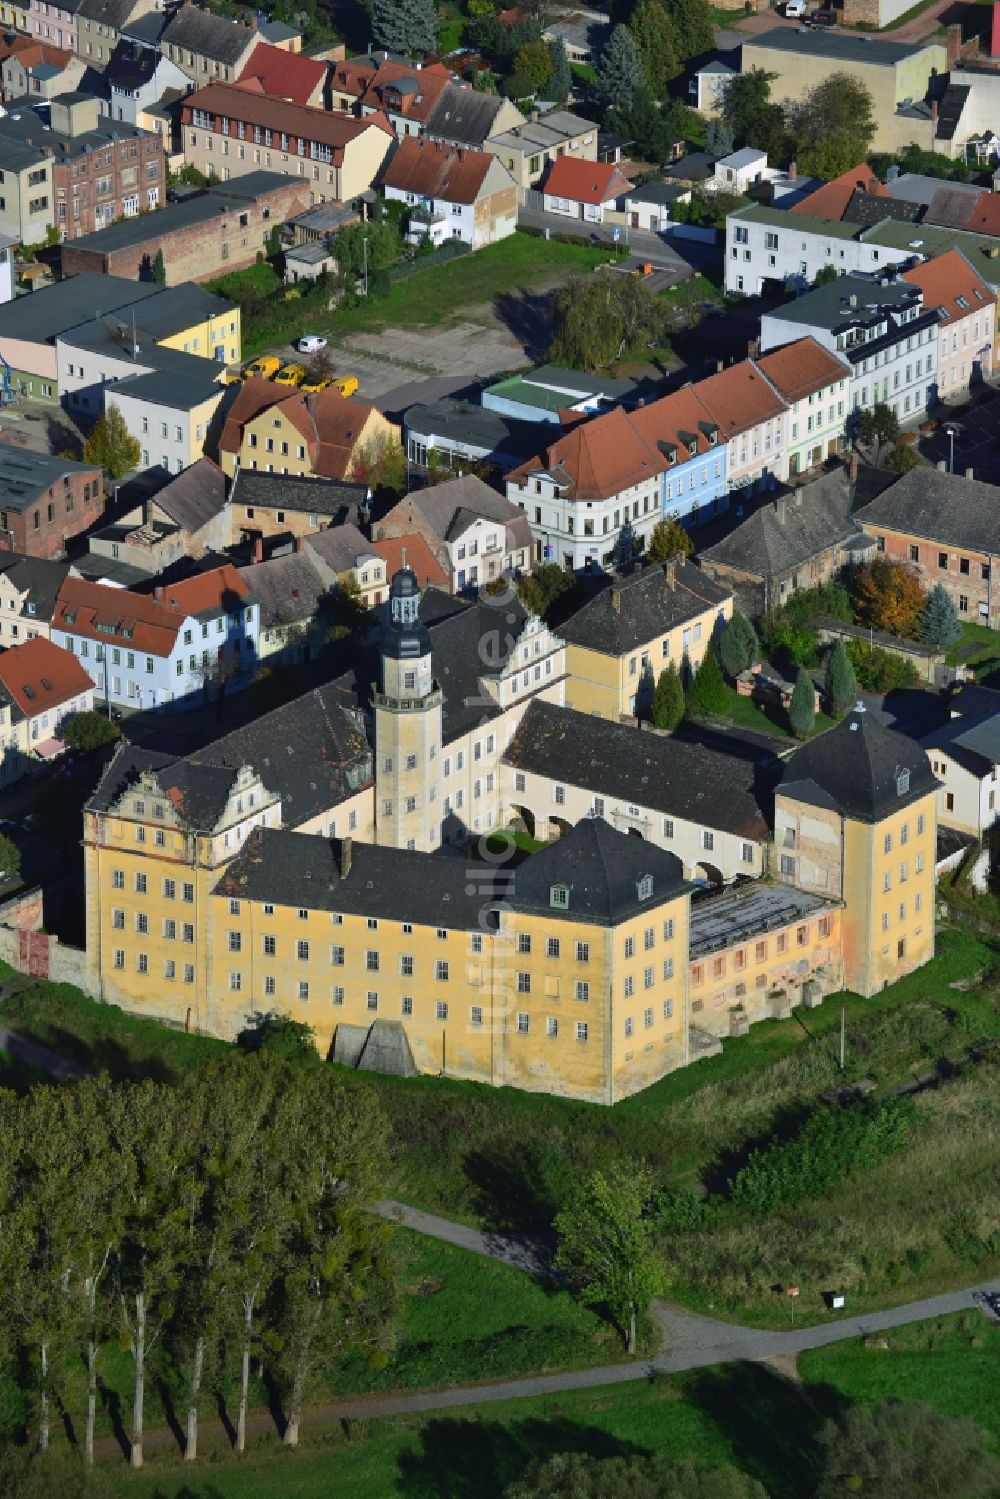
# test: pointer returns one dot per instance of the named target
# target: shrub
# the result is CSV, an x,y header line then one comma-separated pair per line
x,y
739,646
878,670
90,731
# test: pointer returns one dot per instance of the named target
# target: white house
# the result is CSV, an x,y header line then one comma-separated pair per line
x,y
40,687
965,757
168,413
739,171
453,193
150,650
138,78
583,189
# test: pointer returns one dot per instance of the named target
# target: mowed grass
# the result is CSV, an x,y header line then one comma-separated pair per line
x,y
953,1363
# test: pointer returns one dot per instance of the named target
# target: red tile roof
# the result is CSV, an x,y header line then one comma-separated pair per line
x,y
739,398
435,171
419,557
585,181
144,622
378,88
284,75
328,127
330,425
40,675
946,278
830,201
802,368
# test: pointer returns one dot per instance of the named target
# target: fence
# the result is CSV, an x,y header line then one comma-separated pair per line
x,y
450,250
927,660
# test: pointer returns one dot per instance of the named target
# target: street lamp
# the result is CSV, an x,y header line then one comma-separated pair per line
x,y
952,432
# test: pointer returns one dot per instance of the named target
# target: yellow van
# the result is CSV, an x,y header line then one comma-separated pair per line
x,y
313,387
263,367
347,384
290,374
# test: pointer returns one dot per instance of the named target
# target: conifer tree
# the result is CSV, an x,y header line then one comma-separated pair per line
x,y
668,699
739,646
708,692
802,708
619,71
841,683
406,26
939,621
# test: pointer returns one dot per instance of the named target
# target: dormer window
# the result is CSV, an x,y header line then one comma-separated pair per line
x,y
644,887
693,448
902,782
559,897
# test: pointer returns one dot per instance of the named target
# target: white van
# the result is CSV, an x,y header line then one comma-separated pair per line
x,y
795,8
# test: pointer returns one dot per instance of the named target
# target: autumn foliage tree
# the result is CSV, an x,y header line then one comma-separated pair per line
x,y
888,597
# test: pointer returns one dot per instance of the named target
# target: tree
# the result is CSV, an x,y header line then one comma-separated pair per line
x,y
518,86
718,138
840,682
668,698
832,126
747,108
559,84
605,1243
279,1035
381,464
377,239
877,427
619,69
694,30
111,445
598,317
534,62
10,858
900,1448
320,365
579,1475
653,32
738,645
668,538
90,731
158,271
653,129
939,621
904,457
802,708
888,597
539,591
825,275
708,693
406,26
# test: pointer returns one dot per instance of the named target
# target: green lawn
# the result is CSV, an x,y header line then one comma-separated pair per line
x,y
979,648
766,718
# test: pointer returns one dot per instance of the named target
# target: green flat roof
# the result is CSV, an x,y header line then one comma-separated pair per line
x,y
783,218
517,388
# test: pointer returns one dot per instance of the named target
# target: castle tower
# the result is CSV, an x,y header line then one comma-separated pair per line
x,y
407,708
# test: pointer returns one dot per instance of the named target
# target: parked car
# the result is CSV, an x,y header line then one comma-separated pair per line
x,y
311,343
263,368
795,8
290,374
346,384
823,18
314,386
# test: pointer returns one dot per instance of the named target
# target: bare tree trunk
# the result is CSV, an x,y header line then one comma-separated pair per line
x,y
43,1419
241,1419
88,1440
291,1437
191,1445
631,1328
139,1353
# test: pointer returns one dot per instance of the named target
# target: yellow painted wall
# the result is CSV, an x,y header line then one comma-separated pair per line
x,y
205,337
748,974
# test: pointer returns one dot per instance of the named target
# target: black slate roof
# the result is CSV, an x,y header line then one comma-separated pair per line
x,y
197,793
862,769
37,577
792,530
638,607
469,642
602,869
464,116
212,36
301,870
670,775
334,497
871,208
939,507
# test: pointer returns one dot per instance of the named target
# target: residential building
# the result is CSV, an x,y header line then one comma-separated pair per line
x,y
965,757
967,329
539,395
233,130
945,528
8,245
194,503
44,501
53,22
28,589
619,641
290,592
816,387
40,687
452,193
751,418
344,557
76,175
833,199
739,171
529,147
15,15
206,46
897,75
171,414
649,206
797,540
99,26
757,951
270,429
202,235
265,504
855,820
583,189
137,78
131,551
883,330
398,552
30,326
474,533
289,76
707,83
32,71
148,651
420,100
563,766
664,458
457,434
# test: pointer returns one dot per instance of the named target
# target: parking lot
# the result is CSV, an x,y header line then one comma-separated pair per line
x,y
977,447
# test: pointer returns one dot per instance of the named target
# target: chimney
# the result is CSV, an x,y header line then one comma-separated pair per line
x,y
953,45
534,117
346,856
853,300
300,546
970,473
257,550
720,365
942,467
159,595
781,509
670,572
616,600
934,111
753,348
854,463
793,171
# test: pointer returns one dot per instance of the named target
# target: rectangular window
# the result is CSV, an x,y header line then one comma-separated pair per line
x,y
441,970
441,1010
302,951
581,1030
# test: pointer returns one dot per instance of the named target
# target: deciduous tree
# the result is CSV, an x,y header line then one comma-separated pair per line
x,y
899,1448
754,119
597,318
832,126
877,427
606,1243
579,1475
653,32
939,621
888,597
534,62
90,731
111,445
10,857
668,538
